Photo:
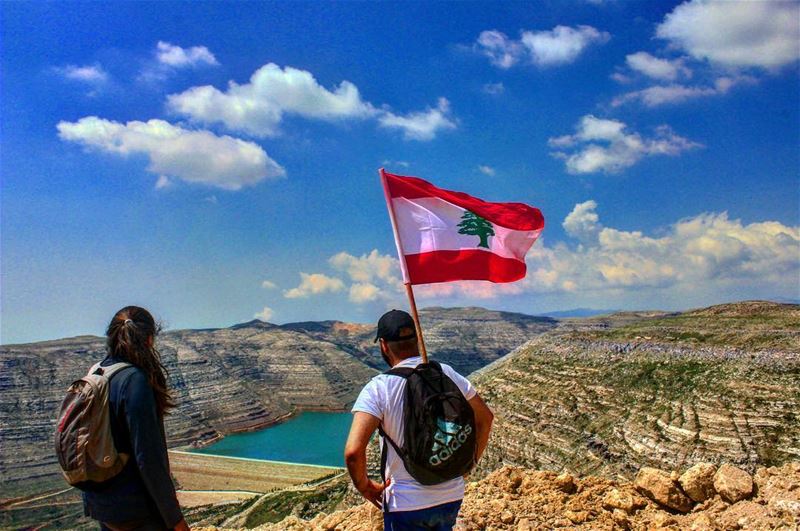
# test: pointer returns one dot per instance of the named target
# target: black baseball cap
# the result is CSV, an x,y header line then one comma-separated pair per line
x,y
396,325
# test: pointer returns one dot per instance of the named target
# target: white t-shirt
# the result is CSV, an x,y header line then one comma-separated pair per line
x,y
383,398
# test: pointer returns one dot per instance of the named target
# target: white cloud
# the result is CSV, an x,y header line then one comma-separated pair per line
x,y
736,34
265,315
561,45
420,125
314,284
583,221
602,145
661,69
258,107
501,51
620,78
361,292
487,170
676,93
709,256
267,284
494,88
370,267
93,74
402,163
192,156
663,94
163,182
374,276
177,57
708,252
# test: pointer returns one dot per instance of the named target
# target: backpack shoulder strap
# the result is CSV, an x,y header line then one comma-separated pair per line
x,y
403,372
113,369
93,368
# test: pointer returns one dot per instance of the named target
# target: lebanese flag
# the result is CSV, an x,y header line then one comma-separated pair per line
x,y
443,236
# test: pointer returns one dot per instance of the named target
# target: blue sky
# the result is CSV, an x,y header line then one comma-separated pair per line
x,y
215,161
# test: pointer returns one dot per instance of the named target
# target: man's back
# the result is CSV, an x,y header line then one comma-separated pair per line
x,y
407,504
383,397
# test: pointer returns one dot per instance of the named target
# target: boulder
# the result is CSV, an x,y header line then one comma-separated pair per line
x,y
732,483
698,482
524,525
565,483
577,517
703,522
624,501
621,519
659,487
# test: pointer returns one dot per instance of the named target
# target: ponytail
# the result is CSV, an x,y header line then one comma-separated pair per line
x,y
131,337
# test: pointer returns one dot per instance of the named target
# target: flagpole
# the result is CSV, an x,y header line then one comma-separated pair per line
x,y
404,268
415,316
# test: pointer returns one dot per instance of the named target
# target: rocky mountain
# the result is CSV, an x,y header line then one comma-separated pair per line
x,y
466,338
231,379
662,390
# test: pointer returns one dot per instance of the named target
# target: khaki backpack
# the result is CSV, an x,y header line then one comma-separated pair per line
x,y
84,444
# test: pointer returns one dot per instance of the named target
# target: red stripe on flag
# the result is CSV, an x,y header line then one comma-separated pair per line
x,y
466,264
515,216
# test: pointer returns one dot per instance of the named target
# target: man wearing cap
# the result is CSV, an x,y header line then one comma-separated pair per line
x,y
406,503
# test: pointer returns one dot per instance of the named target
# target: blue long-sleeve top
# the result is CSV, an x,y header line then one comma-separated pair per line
x,y
143,489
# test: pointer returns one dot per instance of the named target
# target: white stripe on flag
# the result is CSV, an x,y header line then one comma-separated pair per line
x,y
429,224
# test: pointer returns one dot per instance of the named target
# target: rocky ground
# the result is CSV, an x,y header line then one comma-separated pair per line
x,y
703,498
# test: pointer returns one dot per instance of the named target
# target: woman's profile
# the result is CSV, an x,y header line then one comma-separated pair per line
x,y
142,496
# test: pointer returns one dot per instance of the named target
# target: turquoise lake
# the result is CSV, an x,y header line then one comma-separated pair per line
x,y
313,438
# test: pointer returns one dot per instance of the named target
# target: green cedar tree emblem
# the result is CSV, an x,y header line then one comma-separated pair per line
x,y
474,225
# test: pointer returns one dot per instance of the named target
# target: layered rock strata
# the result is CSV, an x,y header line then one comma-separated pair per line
x,y
225,380
605,407
232,379
466,338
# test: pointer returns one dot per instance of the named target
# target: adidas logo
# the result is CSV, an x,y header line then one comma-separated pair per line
x,y
448,438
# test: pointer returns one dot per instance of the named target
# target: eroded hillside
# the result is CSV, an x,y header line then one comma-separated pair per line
x,y
224,380
230,379
466,338
608,400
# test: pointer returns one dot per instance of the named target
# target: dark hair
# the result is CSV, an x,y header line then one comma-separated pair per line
x,y
131,337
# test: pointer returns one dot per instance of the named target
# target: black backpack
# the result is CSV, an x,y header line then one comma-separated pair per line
x,y
439,440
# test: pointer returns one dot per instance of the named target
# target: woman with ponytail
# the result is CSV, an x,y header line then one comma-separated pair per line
x,y
141,497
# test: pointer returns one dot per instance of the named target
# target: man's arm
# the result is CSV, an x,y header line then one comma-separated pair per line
x,y
483,424
355,456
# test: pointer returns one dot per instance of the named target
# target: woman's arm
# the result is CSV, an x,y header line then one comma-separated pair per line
x,y
150,448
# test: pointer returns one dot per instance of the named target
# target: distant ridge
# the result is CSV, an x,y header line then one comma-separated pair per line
x,y
577,312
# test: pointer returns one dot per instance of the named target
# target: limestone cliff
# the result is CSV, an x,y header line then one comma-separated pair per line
x,y
721,384
466,338
230,379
